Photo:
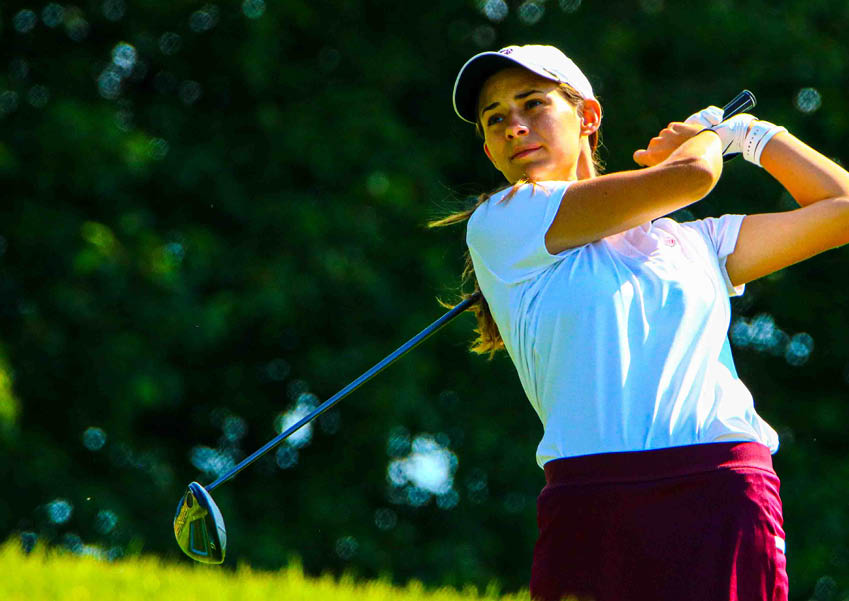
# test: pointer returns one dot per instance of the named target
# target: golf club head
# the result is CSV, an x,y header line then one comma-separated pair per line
x,y
199,526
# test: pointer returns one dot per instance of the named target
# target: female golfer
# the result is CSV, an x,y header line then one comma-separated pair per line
x,y
659,478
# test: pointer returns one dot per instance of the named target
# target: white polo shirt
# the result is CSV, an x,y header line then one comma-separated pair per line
x,y
620,344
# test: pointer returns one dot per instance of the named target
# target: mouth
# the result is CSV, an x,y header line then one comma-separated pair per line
x,y
522,153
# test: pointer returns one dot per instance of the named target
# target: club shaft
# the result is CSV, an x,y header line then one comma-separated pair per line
x,y
376,369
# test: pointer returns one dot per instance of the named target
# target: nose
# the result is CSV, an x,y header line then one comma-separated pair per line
x,y
515,128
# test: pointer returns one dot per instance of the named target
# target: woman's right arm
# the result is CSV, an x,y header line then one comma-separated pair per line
x,y
683,164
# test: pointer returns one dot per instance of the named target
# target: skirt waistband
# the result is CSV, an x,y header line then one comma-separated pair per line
x,y
640,466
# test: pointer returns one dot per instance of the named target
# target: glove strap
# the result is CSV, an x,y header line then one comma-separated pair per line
x,y
759,134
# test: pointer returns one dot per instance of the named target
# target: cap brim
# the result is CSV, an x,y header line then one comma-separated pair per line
x,y
474,74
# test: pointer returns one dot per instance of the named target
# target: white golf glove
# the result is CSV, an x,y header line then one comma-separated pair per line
x,y
706,117
732,131
742,134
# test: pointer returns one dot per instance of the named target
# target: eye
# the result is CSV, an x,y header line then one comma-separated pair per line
x,y
532,103
493,119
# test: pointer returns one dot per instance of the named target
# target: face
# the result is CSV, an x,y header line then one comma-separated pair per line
x,y
530,129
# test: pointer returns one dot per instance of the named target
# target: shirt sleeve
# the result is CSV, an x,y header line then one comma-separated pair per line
x,y
507,233
721,234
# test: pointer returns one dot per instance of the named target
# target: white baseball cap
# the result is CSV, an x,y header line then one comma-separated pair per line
x,y
545,61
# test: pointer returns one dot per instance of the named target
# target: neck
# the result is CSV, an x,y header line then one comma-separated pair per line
x,y
586,167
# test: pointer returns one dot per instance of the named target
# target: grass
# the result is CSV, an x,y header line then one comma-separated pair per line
x,y
55,575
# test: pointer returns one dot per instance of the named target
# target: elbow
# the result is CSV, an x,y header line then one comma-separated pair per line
x,y
841,204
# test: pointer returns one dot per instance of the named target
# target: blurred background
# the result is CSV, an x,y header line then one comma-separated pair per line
x,y
213,218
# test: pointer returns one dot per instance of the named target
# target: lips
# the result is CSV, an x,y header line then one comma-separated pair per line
x,y
523,152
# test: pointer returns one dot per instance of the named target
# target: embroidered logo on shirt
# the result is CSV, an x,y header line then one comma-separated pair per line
x,y
669,241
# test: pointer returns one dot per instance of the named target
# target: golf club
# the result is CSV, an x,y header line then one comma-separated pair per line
x,y
198,523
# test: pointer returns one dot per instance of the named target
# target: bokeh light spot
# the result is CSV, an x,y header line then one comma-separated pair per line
x,y
398,444
385,519
28,541
417,497
99,235
495,10
18,68
159,148
105,521
234,428
799,349
73,543
211,461
59,511
114,10
484,35
296,388
76,26
277,369
477,487
377,184
124,57
531,12
52,15
109,83
286,457
253,9
808,100
514,502
8,102
426,470
448,500
38,96
346,547
24,21
204,19
190,92
303,406
330,422
825,588
94,438
170,43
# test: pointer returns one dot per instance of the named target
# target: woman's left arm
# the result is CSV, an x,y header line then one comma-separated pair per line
x,y
769,242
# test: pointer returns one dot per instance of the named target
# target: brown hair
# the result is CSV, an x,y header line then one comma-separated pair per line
x,y
489,339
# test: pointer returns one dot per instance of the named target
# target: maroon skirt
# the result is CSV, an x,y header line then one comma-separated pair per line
x,y
695,523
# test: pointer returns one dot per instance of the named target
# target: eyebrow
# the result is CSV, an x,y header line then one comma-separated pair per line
x,y
516,97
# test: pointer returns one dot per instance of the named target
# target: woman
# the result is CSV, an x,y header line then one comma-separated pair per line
x,y
659,478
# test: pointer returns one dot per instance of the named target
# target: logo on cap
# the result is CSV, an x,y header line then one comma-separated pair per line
x,y
506,51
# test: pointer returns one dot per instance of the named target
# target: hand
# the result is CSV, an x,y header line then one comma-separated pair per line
x,y
731,131
665,143
707,117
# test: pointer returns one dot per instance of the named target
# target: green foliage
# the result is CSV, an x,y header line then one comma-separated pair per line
x,y
52,576
194,241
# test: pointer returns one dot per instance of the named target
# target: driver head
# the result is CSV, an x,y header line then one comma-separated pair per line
x,y
199,526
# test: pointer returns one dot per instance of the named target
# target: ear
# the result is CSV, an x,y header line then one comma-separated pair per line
x,y
591,117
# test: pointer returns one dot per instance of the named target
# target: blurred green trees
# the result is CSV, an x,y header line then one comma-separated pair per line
x,y
213,219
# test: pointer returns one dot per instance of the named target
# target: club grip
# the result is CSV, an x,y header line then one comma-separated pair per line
x,y
743,101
